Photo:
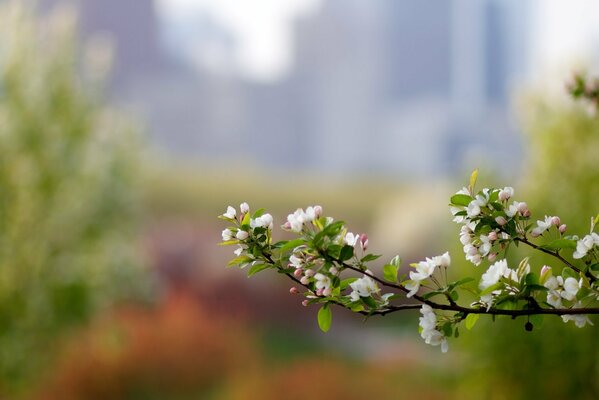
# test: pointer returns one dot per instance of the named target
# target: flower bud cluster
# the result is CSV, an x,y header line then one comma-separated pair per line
x,y
486,219
297,220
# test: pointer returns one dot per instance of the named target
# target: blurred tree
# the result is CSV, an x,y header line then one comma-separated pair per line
x,y
67,172
561,177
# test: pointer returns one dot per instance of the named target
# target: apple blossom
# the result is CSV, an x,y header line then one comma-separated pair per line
x,y
227,235
230,213
506,193
244,208
242,235
363,287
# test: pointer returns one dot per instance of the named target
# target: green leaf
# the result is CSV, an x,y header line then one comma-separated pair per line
x,y
346,282
559,244
582,293
492,288
460,199
246,220
369,301
257,214
568,272
257,268
325,318
357,307
240,260
471,320
228,242
447,329
370,257
292,244
346,253
473,177
454,296
531,279
395,261
328,231
390,273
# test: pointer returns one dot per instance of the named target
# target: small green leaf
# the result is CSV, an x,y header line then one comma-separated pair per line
x,y
346,253
568,272
559,244
471,320
325,318
395,261
257,268
492,288
473,178
390,273
228,243
346,282
292,244
454,296
257,214
369,301
240,260
370,257
460,199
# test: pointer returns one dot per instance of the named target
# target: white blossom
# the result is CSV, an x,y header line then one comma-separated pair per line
x,y
227,235
242,235
444,260
230,213
473,209
584,245
413,287
295,261
542,226
350,239
363,287
506,193
428,324
580,320
264,221
322,281
238,251
571,287
244,208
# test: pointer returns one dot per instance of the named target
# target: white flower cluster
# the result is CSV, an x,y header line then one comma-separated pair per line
x,y
363,287
242,233
564,289
586,244
424,270
295,222
352,240
494,274
477,246
545,224
428,328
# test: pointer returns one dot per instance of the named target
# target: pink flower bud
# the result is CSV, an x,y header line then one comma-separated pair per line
x,y
318,211
293,290
309,273
522,207
287,226
364,241
501,220
555,221
333,270
319,292
492,256
526,213
305,280
534,233
545,273
562,228
327,292
492,235
298,273
305,303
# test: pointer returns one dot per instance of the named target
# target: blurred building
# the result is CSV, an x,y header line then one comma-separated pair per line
x,y
410,88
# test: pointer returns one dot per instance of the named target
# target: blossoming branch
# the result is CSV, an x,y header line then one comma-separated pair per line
x,y
330,265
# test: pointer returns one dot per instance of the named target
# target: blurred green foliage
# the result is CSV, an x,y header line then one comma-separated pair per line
x,y
556,360
67,198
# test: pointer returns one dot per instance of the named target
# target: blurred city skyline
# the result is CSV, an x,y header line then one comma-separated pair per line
x,y
409,89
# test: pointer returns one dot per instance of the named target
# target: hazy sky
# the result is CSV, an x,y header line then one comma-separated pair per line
x,y
561,30
260,28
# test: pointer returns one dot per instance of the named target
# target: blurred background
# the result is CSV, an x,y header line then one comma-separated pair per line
x,y
127,126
